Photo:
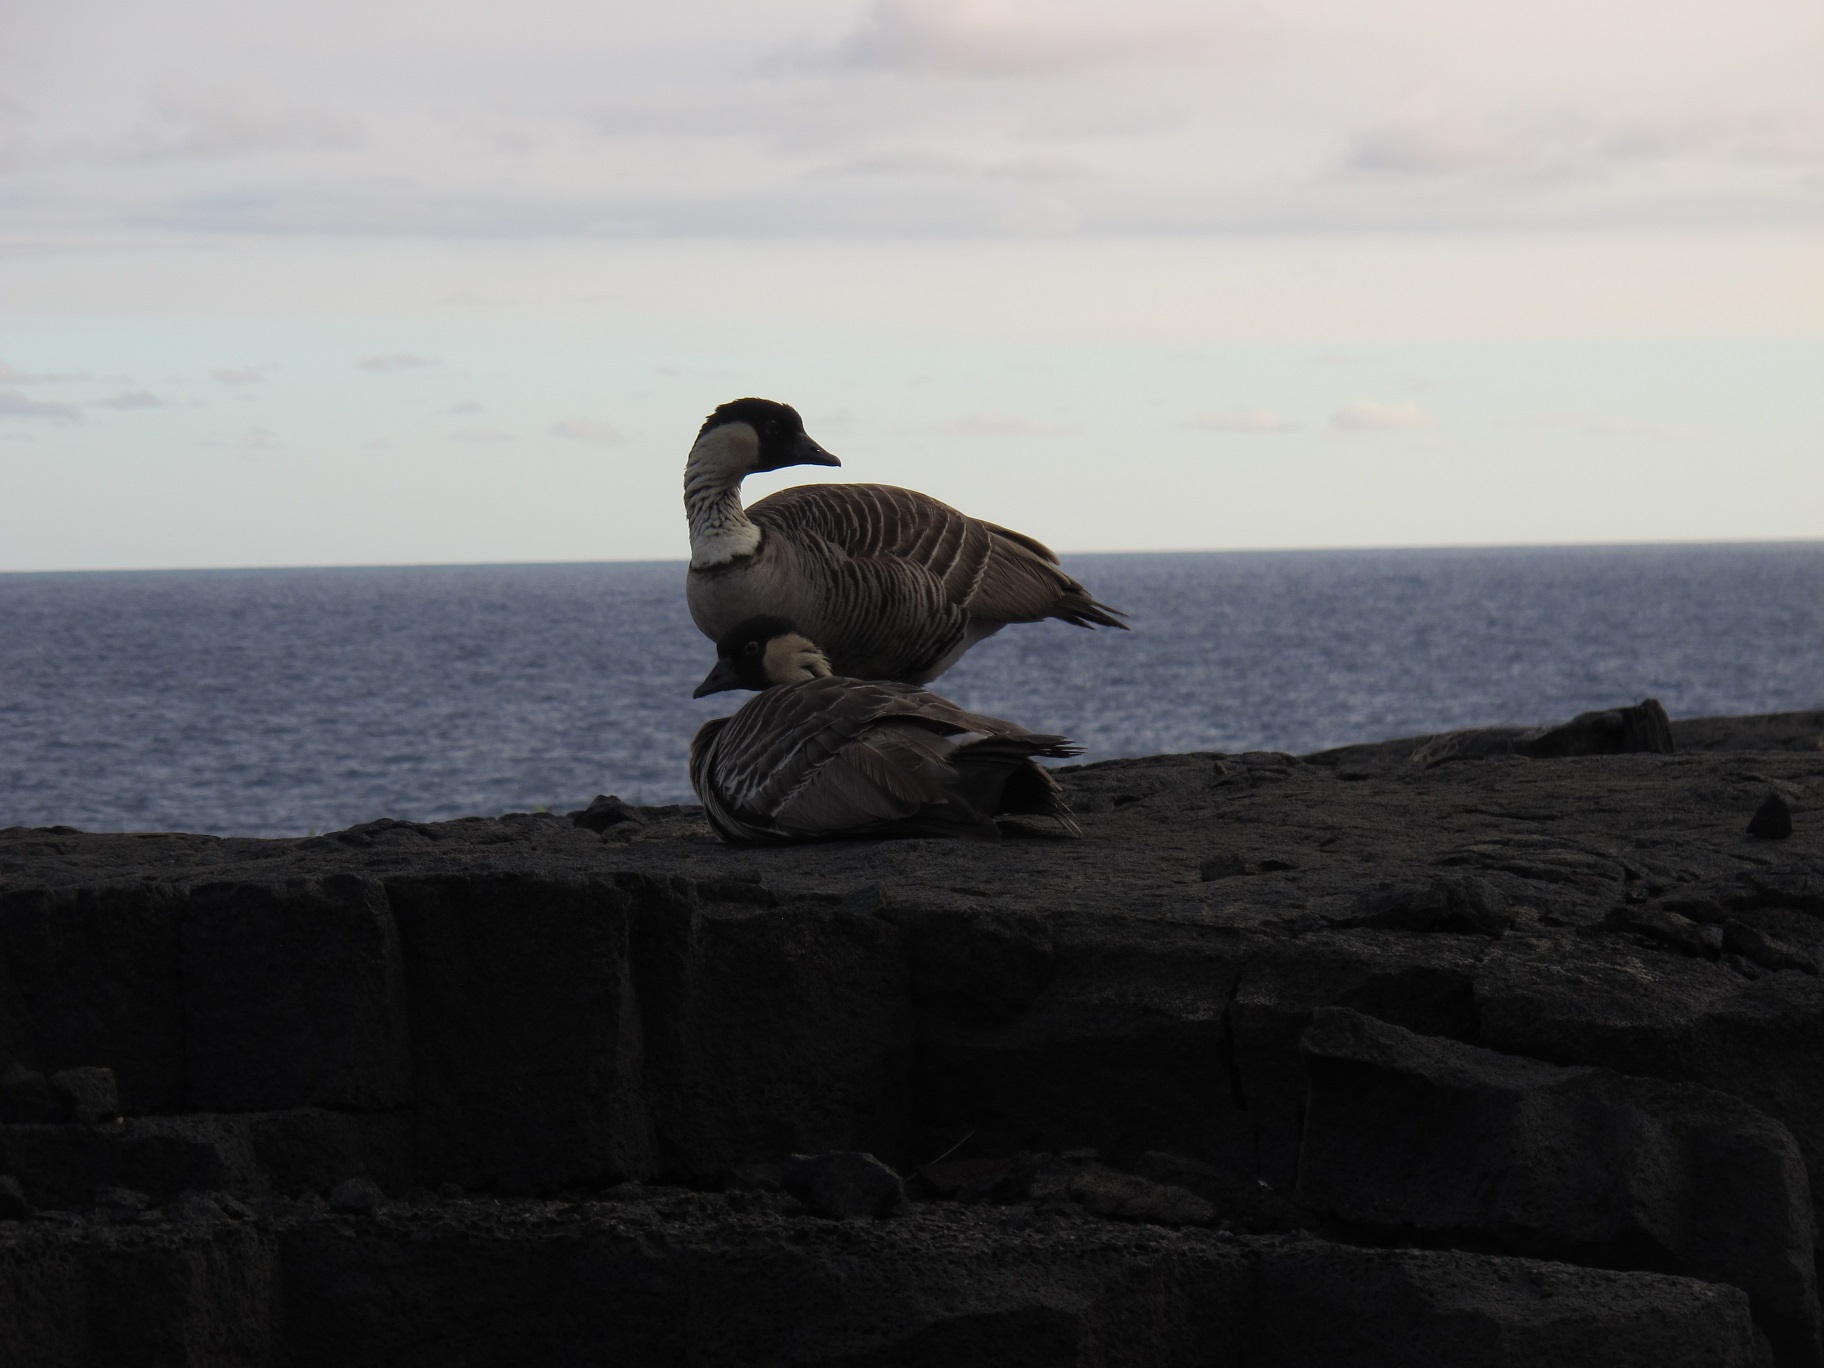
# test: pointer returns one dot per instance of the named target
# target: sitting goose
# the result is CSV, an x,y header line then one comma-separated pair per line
x,y
892,583
817,755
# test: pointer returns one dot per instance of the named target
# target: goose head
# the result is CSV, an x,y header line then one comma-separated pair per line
x,y
762,652
746,436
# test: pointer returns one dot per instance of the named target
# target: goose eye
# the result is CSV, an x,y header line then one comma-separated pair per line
x,y
752,648
772,425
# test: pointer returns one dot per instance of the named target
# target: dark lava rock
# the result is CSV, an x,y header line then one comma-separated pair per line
x,y
1615,731
192,1205
88,1095
1772,820
1415,1133
1766,951
1233,863
13,1205
25,1095
605,811
1006,1179
356,1197
1436,904
844,1184
119,1204
1326,1304
1670,929
1129,1197
582,1044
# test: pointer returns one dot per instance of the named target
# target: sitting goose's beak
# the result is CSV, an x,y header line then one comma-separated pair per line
x,y
719,680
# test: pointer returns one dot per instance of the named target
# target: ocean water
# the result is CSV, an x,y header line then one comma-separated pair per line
x,y
281,702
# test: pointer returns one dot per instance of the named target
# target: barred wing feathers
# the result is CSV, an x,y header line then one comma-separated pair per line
x,y
993,573
842,756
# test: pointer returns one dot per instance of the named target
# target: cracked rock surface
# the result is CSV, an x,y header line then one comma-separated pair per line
x,y
1498,1058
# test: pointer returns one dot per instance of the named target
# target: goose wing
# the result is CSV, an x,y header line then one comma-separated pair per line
x,y
878,617
994,573
881,521
832,756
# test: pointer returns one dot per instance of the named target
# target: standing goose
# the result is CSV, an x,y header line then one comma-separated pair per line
x,y
817,755
891,583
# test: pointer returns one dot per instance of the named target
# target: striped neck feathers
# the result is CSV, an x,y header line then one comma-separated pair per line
x,y
792,659
719,529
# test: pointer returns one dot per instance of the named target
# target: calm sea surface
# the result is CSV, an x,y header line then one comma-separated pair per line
x,y
279,702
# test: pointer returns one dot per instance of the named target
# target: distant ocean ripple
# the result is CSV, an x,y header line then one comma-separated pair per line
x,y
280,702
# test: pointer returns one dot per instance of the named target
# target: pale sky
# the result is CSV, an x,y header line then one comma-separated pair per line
x,y
401,282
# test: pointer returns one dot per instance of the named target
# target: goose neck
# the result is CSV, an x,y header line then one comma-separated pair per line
x,y
720,530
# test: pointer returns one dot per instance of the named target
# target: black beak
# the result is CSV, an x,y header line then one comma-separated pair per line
x,y
719,680
807,452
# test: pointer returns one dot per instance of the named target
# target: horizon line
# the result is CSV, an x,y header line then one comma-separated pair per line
x,y
1794,542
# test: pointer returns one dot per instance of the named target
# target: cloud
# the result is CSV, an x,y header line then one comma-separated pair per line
x,y
394,361
132,399
12,375
585,430
916,162
1595,425
996,38
227,375
1040,217
993,425
1423,141
1248,420
897,162
468,406
236,121
481,436
1369,416
253,442
16,405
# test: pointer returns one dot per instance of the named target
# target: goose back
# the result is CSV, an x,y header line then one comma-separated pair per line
x,y
838,756
893,584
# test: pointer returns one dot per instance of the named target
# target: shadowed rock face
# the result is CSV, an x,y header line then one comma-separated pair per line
x,y
1284,1055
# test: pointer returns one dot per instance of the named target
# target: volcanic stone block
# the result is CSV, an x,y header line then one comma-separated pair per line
x,y
461,1296
1123,1050
25,1095
124,1295
1585,1001
1417,1133
968,1292
974,964
1772,820
526,1031
310,1150
1765,1043
1332,1306
61,1165
1582,1000
1423,981
92,977
356,1197
1643,727
770,1031
844,1184
1450,902
86,1095
294,996
1129,1197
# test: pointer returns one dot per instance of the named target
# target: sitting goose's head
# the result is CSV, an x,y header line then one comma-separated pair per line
x,y
745,436
762,652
